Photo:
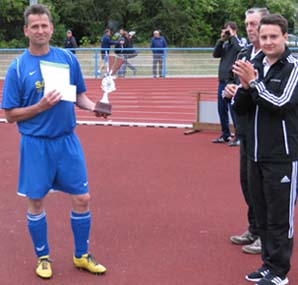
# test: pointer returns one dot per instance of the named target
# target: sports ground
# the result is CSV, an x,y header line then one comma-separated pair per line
x,y
163,203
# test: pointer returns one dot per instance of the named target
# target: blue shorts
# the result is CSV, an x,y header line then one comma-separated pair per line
x,y
46,164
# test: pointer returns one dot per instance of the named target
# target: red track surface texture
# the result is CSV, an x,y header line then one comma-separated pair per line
x,y
150,101
163,208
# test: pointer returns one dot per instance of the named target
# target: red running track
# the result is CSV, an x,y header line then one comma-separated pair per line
x,y
149,101
163,208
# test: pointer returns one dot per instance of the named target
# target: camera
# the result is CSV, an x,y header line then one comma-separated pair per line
x,y
227,33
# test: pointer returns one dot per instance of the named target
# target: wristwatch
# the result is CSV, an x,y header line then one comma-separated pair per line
x,y
252,83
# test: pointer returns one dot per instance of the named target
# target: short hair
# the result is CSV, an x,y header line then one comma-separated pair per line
x,y
232,25
256,10
107,31
276,20
36,9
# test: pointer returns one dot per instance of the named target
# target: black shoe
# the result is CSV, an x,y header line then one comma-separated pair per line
x,y
221,140
257,275
244,239
271,279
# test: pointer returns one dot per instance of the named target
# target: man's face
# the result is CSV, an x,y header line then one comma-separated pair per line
x,y
252,22
39,30
272,41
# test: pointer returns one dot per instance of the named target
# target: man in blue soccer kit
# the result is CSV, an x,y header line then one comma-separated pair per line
x,y
51,156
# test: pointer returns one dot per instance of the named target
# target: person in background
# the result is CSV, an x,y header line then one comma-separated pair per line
x,y
51,156
119,42
70,41
227,49
250,238
158,43
119,50
269,96
127,52
106,43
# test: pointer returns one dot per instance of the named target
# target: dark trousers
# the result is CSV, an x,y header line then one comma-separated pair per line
x,y
252,226
223,108
157,60
273,188
125,64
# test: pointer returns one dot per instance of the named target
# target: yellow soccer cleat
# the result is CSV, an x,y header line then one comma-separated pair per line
x,y
43,268
87,262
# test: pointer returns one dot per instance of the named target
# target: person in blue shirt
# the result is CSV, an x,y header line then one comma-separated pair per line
x,y
51,156
107,42
158,41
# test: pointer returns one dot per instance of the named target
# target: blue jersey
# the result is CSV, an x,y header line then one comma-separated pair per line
x,y
24,86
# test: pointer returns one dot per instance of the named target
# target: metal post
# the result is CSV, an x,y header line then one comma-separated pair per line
x,y
164,58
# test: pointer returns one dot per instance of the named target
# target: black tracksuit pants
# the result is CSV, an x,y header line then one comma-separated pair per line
x,y
273,189
252,226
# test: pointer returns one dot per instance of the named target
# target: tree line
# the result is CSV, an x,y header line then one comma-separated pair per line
x,y
184,23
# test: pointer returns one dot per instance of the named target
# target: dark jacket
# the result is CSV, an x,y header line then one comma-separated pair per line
x,y
70,43
106,43
227,51
119,46
244,54
272,109
158,43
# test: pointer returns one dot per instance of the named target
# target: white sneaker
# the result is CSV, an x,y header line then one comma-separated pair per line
x,y
254,248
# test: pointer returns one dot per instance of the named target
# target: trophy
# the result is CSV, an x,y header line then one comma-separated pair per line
x,y
107,85
104,107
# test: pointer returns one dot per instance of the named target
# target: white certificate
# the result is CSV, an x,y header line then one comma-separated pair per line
x,y
56,77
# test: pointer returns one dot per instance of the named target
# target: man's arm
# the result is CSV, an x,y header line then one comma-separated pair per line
x,y
276,101
74,42
218,49
85,103
25,113
236,44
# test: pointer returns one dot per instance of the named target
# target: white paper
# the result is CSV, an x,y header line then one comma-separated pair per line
x,y
56,77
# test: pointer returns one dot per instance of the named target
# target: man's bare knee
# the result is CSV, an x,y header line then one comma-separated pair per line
x,y
80,203
35,206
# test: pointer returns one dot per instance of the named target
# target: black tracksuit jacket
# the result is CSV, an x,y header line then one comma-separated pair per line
x,y
272,110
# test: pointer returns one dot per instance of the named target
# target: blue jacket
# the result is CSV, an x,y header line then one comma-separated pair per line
x,y
106,42
158,43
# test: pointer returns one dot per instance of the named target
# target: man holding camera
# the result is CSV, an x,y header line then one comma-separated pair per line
x,y
227,49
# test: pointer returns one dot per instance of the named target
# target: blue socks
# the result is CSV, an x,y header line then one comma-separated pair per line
x,y
80,224
37,225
